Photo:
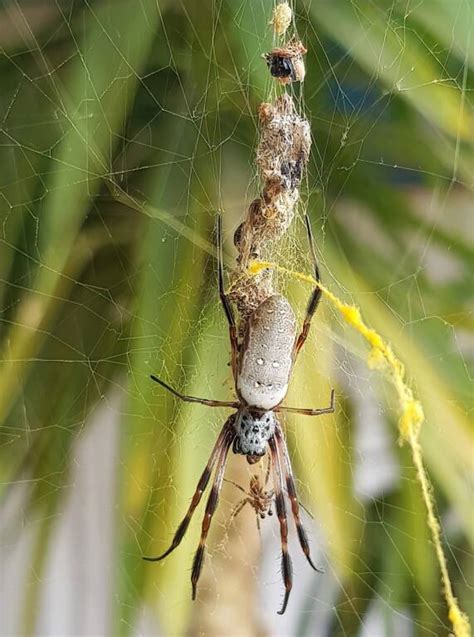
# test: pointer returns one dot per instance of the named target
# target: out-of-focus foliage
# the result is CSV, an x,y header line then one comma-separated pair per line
x,y
124,125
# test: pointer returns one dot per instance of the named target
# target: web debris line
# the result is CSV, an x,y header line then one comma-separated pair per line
x,y
263,324
263,315
411,418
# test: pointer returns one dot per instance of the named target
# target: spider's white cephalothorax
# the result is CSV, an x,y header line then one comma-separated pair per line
x,y
253,431
267,357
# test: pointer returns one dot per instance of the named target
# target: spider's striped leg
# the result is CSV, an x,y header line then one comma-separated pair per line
x,y
211,506
315,296
225,300
291,488
281,512
221,443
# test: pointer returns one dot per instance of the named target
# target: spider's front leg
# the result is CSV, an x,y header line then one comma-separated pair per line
x,y
315,296
222,444
211,506
291,489
286,568
226,304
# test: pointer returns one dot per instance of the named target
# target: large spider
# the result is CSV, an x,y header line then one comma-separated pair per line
x,y
261,367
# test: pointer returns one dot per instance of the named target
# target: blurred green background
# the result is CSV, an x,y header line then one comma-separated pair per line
x,y
124,127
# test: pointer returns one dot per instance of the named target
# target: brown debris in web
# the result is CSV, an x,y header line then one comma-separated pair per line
x,y
285,143
282,156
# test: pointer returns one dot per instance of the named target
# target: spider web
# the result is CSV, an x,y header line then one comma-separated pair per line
x,y
124,127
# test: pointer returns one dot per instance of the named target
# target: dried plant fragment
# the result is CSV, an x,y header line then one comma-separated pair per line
x,y
281,20
285,143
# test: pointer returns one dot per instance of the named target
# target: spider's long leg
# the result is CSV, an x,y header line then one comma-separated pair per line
x,y
315,296
193,399
310,412
267,474
238,508
221,444
281,512
211,506
291,488
225,300
236,485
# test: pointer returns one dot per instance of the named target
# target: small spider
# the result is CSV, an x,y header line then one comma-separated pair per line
x,y
286,63
261,366
257,496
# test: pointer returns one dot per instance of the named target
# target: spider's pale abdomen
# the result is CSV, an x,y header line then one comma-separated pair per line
x,y
267,354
